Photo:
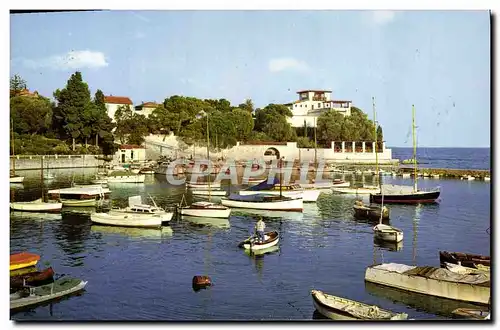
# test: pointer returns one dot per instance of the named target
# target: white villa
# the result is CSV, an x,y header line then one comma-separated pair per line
x,y
114,102
311,104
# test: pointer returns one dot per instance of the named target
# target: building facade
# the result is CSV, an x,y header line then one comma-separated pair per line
x,y
114,102
128,153
311,104
146,108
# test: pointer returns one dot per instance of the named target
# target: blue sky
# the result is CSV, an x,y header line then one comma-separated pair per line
x,y
437,60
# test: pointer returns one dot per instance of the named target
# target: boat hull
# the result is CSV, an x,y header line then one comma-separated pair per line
x,y
16,179
206,212
356,191
165,217
140,178
79,202
464,259
126,220
23,260
309,196
429,286
387,233
415,198
270,242
36,206
207,192
203,186
287,205
370,213
16,302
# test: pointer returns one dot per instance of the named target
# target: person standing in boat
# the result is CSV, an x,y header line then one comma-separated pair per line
x,y
260,226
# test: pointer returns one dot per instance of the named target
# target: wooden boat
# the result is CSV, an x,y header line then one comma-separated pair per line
x,y
263,202
464,259
136,207
23,271
36,278
271,239
36,206
471,314
86,195
407,194
40,294
338,308
432,281
127,220
23,260
206,210
260,253
371,212
388,233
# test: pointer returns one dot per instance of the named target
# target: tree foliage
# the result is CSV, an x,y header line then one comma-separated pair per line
x,y
30,115
131,127
17,84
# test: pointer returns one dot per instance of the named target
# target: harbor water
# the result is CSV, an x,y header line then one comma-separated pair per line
x,y
146,274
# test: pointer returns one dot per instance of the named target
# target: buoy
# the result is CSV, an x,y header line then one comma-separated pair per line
x,y
201,282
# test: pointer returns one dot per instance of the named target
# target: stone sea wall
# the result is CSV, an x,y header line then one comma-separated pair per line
x,y
34,162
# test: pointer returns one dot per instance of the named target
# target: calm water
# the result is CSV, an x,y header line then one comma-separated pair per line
x,y
457,158
137,274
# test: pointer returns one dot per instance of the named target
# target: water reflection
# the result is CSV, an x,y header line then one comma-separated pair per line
x,y
202,221
259,256
18,215
418,301
267,214
133,232
389,246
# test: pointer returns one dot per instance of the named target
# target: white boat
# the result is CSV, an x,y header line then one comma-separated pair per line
x,y
202,186
16,179
36,295
432,281
127,220
209,192
406,175
435,176
206,210
388,233
80,195
470,178
487,178
365,190
100,181
338,308
263,202
132,178
136,207
290,190
326,186
459,269
48,176
36,206
270,239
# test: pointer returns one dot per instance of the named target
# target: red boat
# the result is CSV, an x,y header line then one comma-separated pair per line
x,y
33,279
22,260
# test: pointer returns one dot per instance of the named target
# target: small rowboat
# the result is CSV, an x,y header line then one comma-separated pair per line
x,y
36,206
337,308
35,295
388,233
23,260
464,259
36,278
271,239
471,314
372,212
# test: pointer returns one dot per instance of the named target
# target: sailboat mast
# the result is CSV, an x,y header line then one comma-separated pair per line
x,y
315,146
13,152
414,150
208,157
41,174
376,139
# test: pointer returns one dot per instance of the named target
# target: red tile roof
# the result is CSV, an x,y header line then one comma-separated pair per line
x,y
314,90
117,100
149,105
131,146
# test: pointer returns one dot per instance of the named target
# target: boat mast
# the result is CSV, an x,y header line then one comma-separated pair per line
x,y
376,140
315,147
208,167
414,150
41,174
13,153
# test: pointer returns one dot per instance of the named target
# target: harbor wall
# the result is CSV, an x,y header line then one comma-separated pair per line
x,y
34,162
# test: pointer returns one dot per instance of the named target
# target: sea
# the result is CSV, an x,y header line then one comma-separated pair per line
x,y
454,158
146,274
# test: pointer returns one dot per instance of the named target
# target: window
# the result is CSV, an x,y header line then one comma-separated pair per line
x,y
319,105
313,106
132,154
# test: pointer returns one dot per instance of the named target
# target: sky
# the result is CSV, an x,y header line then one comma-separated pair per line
x,y
437,60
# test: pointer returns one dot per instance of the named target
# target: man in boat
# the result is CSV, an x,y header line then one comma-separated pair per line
x,y
260,226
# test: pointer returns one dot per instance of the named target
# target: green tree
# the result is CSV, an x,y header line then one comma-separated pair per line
x,y
71,103
272,120
131,128
329,127
30,115
242,121
17,84
304,142
380,136
247,106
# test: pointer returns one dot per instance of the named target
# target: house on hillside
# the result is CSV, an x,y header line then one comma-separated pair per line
x,y
128,153
146,108
24,92
311,104
114,102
